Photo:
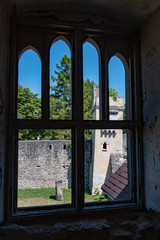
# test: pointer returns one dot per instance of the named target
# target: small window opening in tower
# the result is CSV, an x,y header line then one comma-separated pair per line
x,y
104,146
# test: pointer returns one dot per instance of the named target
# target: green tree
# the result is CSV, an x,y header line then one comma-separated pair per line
x,y
60,98
87,103
29,105
113,93
33,134
87,99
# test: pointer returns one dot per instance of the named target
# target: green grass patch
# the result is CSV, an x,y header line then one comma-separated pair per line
x,y
50,193
35,193
92,198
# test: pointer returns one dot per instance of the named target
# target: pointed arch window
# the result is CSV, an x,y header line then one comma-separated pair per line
x,y
91,54
119,93
60,80
29,85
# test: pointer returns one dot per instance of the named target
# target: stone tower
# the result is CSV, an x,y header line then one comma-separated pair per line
x,y
105,142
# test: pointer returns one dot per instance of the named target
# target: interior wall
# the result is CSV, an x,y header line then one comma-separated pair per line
x,y
135,225
150,53
4,74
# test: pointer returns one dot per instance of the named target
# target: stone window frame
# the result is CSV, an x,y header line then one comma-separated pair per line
x,y
111,41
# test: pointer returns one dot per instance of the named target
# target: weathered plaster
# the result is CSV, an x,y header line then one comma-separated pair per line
x,y
150,42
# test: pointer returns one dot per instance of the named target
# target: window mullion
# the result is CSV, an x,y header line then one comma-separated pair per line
x,y
105,89
78,81
102,83
78,116
45,82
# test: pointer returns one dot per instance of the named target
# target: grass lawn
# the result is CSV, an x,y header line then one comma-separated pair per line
x,y
47,196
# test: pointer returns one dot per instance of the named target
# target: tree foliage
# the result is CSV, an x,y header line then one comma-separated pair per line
x,y
29,105
87,102
60,98
113,93
87,99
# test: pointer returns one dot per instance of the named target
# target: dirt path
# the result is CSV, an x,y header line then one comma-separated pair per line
x,y
30,202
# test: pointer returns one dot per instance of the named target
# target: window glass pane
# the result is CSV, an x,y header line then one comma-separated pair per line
x,y
29,86
107,164
60,81
117,99
44,167
90,82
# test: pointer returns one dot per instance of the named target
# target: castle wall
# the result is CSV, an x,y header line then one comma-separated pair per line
x,y
106,142
101,164
117,106
41,163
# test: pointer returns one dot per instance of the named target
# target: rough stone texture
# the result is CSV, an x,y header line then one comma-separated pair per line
x,y
59,194
4,70
41,163
150,52
137,225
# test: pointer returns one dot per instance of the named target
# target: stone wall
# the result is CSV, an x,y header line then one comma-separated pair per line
x,y
41,163
150,55
137,225
101,167
117,158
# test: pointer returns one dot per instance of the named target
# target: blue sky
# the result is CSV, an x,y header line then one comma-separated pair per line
x,y
29,74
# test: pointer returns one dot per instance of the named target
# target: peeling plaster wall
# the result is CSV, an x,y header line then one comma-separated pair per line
x,y
4,70
150,51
